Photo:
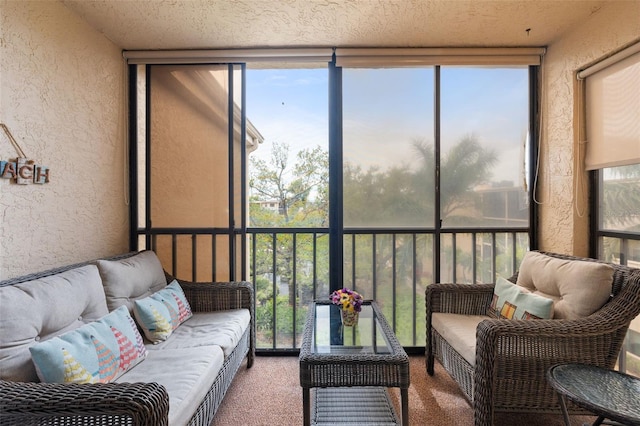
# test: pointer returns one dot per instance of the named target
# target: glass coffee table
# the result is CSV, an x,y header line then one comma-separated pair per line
x,y
607,393
351,367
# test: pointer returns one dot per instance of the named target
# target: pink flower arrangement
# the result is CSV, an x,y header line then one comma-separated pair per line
x,y
347,300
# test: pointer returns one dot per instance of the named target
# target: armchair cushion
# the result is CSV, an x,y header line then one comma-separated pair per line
x,y
579,288
515,302
460,331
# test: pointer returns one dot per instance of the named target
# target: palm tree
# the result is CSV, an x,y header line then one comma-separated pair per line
x,y
466,165
621,198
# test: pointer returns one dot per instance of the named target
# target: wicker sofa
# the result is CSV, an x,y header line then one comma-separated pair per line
x,y
505,371
177,381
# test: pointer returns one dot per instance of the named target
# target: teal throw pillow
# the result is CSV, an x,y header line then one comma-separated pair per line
x,y
162,312
511,301
98,352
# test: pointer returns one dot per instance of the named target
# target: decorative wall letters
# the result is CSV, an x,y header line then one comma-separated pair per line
x,y
22,170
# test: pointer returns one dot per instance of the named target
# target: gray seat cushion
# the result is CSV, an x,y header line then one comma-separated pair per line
x,y
43,308
186,373
222,328
132,278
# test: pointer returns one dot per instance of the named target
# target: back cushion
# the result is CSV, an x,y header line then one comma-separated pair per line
x,y
578,288
132,278
37,310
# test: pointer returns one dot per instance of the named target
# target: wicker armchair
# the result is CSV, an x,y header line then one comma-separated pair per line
x,y
512,356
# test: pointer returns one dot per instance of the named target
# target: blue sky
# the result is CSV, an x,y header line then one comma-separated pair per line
x,y
385,110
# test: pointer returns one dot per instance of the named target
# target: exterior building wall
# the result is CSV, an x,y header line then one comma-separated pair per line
x,y
189,165
62,98
564,211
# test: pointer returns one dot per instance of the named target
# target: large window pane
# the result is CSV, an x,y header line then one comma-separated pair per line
x,y
288,188
289,171
484,128
388,147
189,169
632,342
619,215
620,200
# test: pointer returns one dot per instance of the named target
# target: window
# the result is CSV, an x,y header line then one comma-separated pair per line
x,y
419,168
612,108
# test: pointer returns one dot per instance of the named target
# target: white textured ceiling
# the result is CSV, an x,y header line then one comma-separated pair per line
x,y
212,24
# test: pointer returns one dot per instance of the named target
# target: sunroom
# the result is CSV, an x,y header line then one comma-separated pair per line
x,y
475,147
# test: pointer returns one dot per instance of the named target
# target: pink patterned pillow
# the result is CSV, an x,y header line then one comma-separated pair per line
x,y
98,352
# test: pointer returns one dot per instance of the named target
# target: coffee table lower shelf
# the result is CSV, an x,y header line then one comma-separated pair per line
x,y
352,406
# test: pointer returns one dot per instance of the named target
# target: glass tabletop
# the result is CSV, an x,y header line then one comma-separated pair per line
x,y
331,337
608,392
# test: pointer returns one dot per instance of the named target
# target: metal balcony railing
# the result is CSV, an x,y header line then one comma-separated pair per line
x,y
289,267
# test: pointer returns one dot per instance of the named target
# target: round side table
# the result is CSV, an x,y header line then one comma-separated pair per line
x,y
607,393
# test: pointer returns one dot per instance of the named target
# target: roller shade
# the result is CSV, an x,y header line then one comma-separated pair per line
x,y
612,106
389,57
346,57
227,56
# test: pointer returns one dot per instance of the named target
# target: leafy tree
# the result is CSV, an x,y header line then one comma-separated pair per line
x,y
621,206
395,197
402,196
466,165
301,193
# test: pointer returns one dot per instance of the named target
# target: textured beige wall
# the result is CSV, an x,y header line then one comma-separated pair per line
x,y
62,97
563,215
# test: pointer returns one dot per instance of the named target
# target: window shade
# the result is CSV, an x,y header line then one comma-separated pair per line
x,y
227,56
347,57
405,57
612,102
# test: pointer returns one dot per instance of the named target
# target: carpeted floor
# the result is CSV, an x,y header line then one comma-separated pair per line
x,y
269,393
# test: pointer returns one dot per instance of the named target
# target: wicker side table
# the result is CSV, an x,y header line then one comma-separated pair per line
x,y
607,393
367,355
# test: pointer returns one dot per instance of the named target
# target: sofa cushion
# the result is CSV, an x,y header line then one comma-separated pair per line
x,y
221,328
43,308
511,301
579,288
132,278
98,352
459,331
162,312
187,374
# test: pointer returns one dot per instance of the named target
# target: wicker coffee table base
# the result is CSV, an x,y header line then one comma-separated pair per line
x,y
352,406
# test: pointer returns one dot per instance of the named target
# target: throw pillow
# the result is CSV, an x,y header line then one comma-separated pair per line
x,y
98,352
162,312
578,287
131,278
513,302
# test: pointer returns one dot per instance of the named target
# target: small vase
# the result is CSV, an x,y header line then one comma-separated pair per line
x,y
349,318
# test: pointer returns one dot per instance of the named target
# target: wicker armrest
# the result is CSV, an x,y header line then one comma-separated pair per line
x,y
218,296
106,403
465,299
519,350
